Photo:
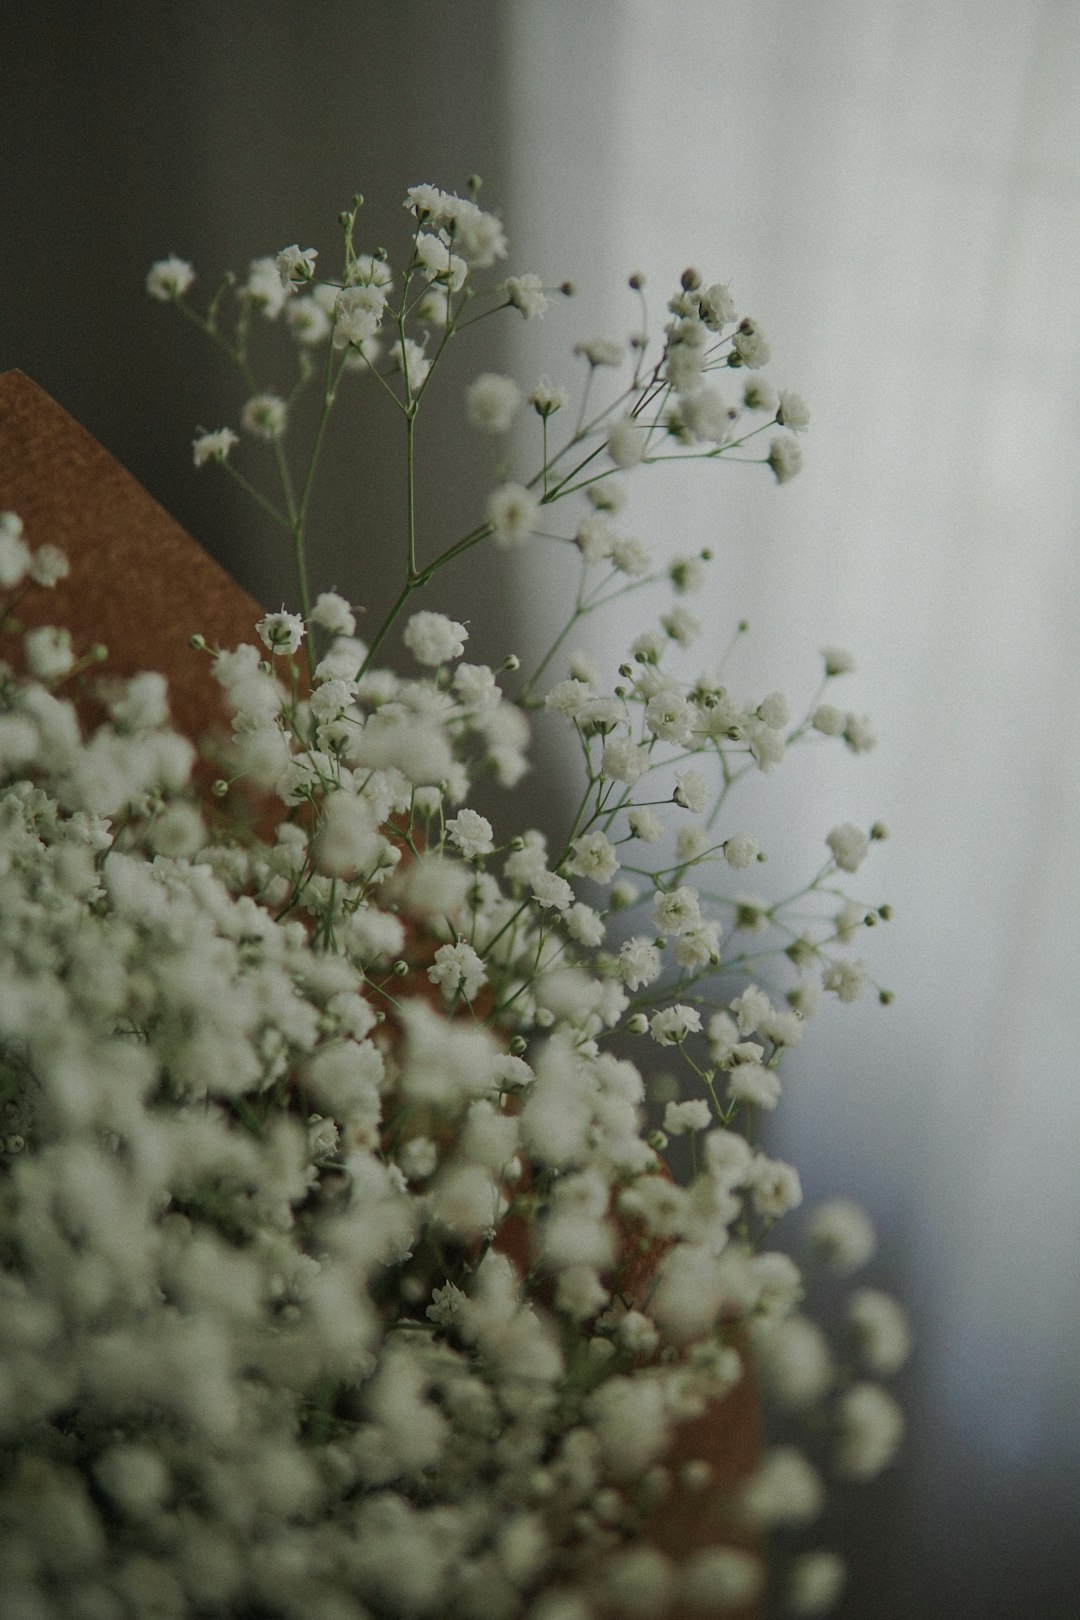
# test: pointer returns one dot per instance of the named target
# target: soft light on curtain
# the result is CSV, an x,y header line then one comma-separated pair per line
x,y
893,189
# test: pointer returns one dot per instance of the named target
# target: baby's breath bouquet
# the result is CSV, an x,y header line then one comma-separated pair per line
x,y
345,1272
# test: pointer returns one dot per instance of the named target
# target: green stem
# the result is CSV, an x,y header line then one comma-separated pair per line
x,y
410,492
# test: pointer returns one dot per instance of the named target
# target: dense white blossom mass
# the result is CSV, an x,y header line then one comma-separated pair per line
x,y
343,1275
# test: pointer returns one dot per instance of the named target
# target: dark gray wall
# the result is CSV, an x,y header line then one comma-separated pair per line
x,y
219,132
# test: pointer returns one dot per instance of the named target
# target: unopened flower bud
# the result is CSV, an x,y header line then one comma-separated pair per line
x,y
886,997
879,831
220,788
690,279
658,1141
638,1024
197,642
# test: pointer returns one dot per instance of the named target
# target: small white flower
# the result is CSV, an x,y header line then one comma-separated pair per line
x,y
580,1293
785,1490
797,1362
595,537
458,968
308,321
785,457
680,1117
551,890
720,1579
600,352
838,661
264,289
828,720
880,1330
526,293
717,306
49,565
479,236
626,442
774,710
759,395
649,647
264,416
639,962
178,831
676,910
213,446
296,264
750,1009
754,1083
671,717
512,511
814,1584
546,398
846,979
690,791
646,825
281,632
691,843
671,1025
750,345
333,613
740,850
687,573
793,411
682,625
446,268
585,925
434,639
630,556
476,687
492,401
471,833
696,947
48,651
775,1186
414,363
708,415
594,857
871,1427
431,204
568,697
358,312
849,845
169,278
858,733
766,744
842,1234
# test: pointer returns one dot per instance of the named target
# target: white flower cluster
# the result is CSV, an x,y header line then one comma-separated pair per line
x,y
343,1274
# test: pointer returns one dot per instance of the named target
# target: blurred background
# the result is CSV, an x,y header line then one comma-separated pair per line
x,y
892,187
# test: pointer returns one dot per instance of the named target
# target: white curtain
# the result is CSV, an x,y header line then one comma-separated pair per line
x,y
893,190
